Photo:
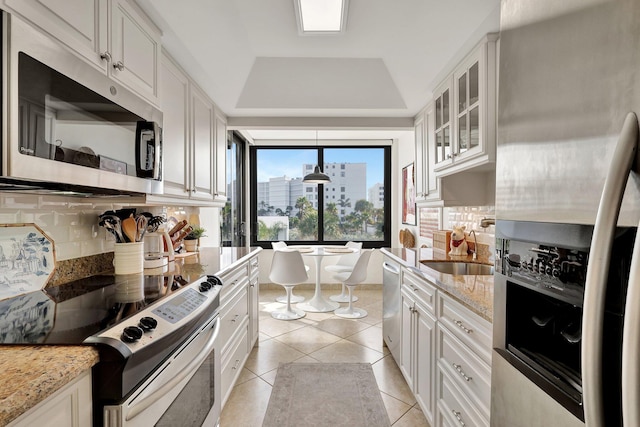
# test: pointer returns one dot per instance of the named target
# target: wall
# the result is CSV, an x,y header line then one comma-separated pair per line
x,y
404,154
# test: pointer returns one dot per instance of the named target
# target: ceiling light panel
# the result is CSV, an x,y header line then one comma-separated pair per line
x,y
321,16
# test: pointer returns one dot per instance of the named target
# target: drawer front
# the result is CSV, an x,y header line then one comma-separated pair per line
x,y
232,316
469,371
424,292
233,362
254,267
468,327
233,280
454,408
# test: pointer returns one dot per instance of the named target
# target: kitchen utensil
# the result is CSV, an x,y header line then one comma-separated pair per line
x,y
154,223
113,223
141,227
129,228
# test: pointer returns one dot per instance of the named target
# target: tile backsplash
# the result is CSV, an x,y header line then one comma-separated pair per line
x,y
71,222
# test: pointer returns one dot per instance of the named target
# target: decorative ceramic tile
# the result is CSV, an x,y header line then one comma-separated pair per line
x,y
27,259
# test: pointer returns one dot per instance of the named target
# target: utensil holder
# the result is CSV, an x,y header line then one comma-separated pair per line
x,y
128,258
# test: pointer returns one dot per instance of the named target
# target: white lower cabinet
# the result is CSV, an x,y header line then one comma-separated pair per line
x,y
254,302
68,407
239,321
418,349
445,355
463,366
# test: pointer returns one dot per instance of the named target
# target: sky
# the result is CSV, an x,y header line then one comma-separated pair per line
x,y
279,162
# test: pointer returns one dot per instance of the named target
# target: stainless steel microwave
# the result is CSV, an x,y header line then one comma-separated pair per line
x,y
66,124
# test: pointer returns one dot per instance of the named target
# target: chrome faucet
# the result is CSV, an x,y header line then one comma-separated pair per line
x,y
485,222
475,244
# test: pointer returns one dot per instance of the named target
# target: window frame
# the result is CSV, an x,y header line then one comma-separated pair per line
x,y
321,200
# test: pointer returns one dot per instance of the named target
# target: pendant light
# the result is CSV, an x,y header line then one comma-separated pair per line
x,y
317,177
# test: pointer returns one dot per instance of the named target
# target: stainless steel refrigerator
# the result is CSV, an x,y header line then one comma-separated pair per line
x,y
567,194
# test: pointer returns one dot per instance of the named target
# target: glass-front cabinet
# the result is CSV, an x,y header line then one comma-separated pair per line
x,y
467,109
465,112
442,131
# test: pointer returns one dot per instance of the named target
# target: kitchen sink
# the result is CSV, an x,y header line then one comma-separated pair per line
x,y
460,268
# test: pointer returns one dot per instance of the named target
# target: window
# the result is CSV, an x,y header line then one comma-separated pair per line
x,y
287,209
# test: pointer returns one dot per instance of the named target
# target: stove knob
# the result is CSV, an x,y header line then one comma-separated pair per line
x,y
215,280
131,334
204,286
148,324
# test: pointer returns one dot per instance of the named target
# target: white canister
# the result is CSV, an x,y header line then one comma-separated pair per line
x,y
128,258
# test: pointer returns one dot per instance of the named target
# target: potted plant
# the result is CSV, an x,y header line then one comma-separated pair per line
x,y
192,240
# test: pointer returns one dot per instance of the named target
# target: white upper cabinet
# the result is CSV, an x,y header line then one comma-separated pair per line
x,y
79,24
456,134
421,157
113,35
442,128
194,141
465,112
174,102
220,159
426,182
203,132
134,44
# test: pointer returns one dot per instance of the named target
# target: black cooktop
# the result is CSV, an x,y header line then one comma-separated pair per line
x,y
70,313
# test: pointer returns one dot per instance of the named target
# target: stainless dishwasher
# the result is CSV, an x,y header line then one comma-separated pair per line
x,y
391,305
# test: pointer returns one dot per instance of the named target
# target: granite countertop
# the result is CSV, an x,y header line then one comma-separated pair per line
x,y
30,374
474,291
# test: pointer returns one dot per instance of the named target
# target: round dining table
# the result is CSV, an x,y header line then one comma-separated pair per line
x,y
318,303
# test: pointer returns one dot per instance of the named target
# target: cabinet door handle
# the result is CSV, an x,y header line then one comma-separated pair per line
x,y
118,66
106,56
460,325
458,368
458,416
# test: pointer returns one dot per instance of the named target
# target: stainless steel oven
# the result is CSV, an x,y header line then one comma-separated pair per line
x,y
65,122
157,338
183,391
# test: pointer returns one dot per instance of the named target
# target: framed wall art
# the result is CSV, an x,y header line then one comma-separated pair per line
x,y
408,195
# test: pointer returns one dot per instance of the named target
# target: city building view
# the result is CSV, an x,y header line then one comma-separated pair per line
x,y
287,208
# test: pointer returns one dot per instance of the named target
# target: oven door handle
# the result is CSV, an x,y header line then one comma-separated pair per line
x,y
139,407
595,288
631,344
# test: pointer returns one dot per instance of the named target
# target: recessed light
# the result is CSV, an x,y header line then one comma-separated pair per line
x,y
321,16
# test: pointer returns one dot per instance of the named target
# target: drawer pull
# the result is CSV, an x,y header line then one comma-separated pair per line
x,y
460,325
235,318
235,365
458,416
461,372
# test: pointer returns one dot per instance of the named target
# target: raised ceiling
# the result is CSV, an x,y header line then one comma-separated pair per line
x,y
250,58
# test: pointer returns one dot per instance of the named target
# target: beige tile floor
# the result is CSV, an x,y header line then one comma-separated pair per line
x,y
321,338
